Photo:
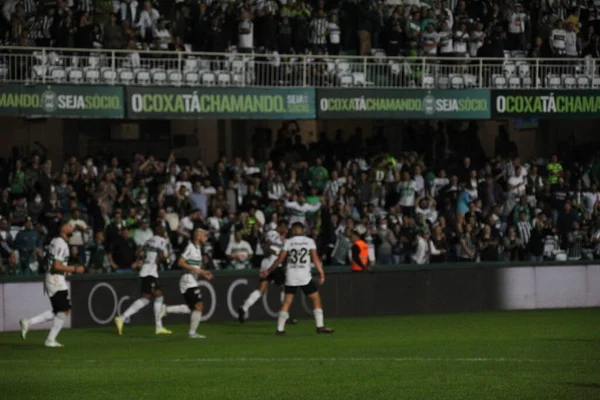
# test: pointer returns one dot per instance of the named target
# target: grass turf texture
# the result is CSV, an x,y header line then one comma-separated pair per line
x,y
508,355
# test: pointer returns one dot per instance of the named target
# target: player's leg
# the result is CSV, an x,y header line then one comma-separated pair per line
x,y
291,320
195,319
159,312
60,306
26,323
194,305
263,286
312,293
290,291
136,306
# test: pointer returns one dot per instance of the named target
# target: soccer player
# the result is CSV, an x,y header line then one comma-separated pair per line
x,y
191,262
55,286
153,252
274,241
301,250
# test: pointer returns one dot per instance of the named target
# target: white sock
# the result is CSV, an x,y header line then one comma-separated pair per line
x,y
283,316
57,324
38,319
158,302
318,317
195,321
282,296
180,309
253,298
135,307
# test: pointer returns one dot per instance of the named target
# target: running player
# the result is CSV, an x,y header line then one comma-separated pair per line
x,y
191,262
55,285
301,250
274,244
153,252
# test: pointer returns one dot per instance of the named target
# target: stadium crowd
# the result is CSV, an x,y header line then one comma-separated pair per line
x,y
430,206
455,28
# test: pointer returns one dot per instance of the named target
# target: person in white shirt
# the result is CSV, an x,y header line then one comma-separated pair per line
x,y
422,253
476,39
557,39
318,29
148,21
426,207
298,209
55,285
406,189
445,40
162,36
516,28
592,198
300,252
517,183
153,253
429,41
191,262
273,244
142,234
334,36
238,252
245,34
572,44
461,38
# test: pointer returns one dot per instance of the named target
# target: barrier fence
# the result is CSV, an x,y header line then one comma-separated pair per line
x,y
97,299
159,68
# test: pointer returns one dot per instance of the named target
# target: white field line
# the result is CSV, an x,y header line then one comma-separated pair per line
x,y
307,359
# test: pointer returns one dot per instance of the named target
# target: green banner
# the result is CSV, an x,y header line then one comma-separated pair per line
x,y
547,104
222,103
61,101
404,103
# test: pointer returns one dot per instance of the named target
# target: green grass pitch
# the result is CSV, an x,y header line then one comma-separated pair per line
x,y
504,355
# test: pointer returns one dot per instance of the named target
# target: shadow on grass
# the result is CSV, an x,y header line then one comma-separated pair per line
x,y
574,340
583,385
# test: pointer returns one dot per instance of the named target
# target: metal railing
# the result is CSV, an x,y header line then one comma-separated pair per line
x,y
155,68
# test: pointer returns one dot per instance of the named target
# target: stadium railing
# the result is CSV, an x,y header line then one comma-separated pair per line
x,y
156,68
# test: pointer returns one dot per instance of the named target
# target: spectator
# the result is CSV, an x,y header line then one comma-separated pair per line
x,y
29,245
123,253
99,262
238,252
113,33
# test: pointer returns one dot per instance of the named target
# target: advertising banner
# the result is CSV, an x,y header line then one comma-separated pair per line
x,y
97,302
546,104
26,300
222,103
61,101
403,103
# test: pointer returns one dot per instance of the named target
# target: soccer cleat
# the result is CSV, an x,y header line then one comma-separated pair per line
x,y
163,311
279,333
24,328
163,331
324,330
241,315
52,343
196,336
292,321
119,324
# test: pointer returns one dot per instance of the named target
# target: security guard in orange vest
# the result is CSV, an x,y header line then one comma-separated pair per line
x,y
360,251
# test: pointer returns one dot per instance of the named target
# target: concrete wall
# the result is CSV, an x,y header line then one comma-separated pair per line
x,y
23,133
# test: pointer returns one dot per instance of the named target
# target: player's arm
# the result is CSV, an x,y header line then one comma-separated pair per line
x,y
318,265
276,263
58,266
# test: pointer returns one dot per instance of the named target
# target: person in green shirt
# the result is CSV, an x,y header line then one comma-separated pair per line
x,y
17,180
555,170
318,175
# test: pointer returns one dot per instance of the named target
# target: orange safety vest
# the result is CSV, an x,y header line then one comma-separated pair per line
x,y
363,254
